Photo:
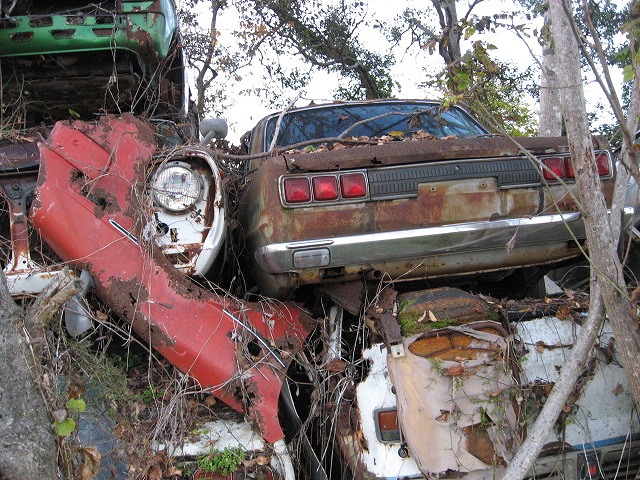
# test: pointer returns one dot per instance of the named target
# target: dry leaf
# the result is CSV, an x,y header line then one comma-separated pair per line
x,y
336,366
154,473
618,390
90,463
564,313
455,371
444,416
432,316
210,400
172,472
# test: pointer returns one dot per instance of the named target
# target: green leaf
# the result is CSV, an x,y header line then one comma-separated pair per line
x,y
628,73
73,113
76,405
64,428
469,31
491,46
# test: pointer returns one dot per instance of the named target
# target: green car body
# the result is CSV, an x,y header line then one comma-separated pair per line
x,y
84,59
145,28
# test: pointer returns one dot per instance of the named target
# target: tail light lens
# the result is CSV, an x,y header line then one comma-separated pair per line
x,y
387,425
603,164
555,168
568,166
297,190
325,188
321,188
353,185
562,167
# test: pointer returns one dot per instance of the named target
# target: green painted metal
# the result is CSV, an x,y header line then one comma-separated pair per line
x,y
145,28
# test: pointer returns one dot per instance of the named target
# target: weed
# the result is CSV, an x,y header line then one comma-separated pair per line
x,y
149,394
225,462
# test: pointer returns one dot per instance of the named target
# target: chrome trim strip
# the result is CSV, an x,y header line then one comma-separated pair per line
x,y
423,242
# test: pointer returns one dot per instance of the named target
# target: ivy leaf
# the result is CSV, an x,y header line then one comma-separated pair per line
x,y
64,428
76,405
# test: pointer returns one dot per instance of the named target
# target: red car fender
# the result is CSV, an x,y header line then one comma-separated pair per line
x,y
89,208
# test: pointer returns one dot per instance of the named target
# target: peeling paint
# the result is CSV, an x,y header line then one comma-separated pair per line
x,y
185,323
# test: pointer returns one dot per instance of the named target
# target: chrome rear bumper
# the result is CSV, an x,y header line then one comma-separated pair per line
x,y
463,238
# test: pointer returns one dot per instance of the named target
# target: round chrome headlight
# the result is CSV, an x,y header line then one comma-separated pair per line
x,y
176,186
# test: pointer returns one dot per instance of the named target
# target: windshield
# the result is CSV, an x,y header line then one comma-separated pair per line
x,y
385,118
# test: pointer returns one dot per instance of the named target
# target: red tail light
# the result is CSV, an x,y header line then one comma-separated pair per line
x,y
602,162
297,190
555,165
568,165
562,167
317,189
325,188
353,185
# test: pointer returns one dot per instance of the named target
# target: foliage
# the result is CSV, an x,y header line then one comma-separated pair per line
x,y
225,462
325,36
65,427
269,33
149,394
492,89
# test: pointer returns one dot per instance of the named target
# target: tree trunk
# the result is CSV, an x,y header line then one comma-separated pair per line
x,y
605,265
550,124
27,445
207,72
449,46
530,448
603,247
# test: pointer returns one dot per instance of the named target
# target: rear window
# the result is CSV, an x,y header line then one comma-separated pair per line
x,y
371,120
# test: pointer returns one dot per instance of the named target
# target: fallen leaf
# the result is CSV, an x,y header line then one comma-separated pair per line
x,y
455,371
154,473
618,390
172,472
336,366
444,416
90,463
210,400
432,316
564,313
59,415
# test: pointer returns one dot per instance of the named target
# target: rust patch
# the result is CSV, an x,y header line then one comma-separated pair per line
x,y
449,345
349,295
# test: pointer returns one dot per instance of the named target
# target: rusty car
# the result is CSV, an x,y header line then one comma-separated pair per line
x,y
430,194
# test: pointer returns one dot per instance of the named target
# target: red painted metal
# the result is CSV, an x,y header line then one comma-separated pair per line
x,y
90,208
